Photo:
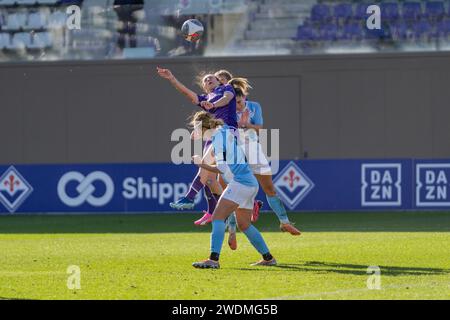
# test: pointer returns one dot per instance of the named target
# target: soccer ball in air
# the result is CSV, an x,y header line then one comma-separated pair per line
x,y
192,30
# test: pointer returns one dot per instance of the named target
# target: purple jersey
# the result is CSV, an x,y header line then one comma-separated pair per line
x,y
226,113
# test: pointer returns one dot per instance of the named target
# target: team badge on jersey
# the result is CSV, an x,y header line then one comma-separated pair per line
x,y
292,185
14,189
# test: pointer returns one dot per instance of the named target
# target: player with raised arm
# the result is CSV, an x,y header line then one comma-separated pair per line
x,y
242,85
250,118
239,194
220,101
213,101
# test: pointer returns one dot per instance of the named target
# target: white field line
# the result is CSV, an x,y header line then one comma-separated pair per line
x,y
354,290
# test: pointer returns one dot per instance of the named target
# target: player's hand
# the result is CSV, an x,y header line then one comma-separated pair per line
x,y
165,73
242,124
244,121
196,135
197,159
207,105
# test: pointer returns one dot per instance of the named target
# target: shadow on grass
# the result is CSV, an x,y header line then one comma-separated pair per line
x,y
183,222
353,269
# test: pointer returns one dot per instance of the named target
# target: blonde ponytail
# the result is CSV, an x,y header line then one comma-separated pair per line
x,y
214,123
241,85
224,73
207,119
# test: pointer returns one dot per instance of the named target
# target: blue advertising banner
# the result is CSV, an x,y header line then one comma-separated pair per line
x,y
312,185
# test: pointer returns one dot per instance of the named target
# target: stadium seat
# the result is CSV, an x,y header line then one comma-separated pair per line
x,y
7,2
25,2
57,20
72,2
20,40
320,12
390,11
329,32
412,10
37,20
15,21
343,11
376,34
443,27
41,40
305,33
399,30
5,40
145,41
352,31
435,9
47,1
360,11
421,28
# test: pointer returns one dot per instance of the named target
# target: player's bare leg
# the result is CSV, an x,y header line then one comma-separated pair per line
x,y
210,179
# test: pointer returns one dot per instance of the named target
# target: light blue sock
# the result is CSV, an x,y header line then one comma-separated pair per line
x,y
278,207
256,239
232,222
217,235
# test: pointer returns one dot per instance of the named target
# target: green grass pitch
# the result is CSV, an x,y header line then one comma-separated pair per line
x,y
150,256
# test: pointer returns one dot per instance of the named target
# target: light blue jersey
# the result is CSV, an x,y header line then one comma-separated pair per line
x,y
230,158
255,117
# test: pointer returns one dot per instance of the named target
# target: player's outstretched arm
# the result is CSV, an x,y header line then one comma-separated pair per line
x,y
199,162
224,101
210,168
167,74
247,125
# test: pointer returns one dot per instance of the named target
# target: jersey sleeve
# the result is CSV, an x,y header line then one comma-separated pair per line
x,y
257,118
229,88
201,98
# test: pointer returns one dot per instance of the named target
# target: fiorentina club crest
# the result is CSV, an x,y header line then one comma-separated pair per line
x,y
292,185
14,189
